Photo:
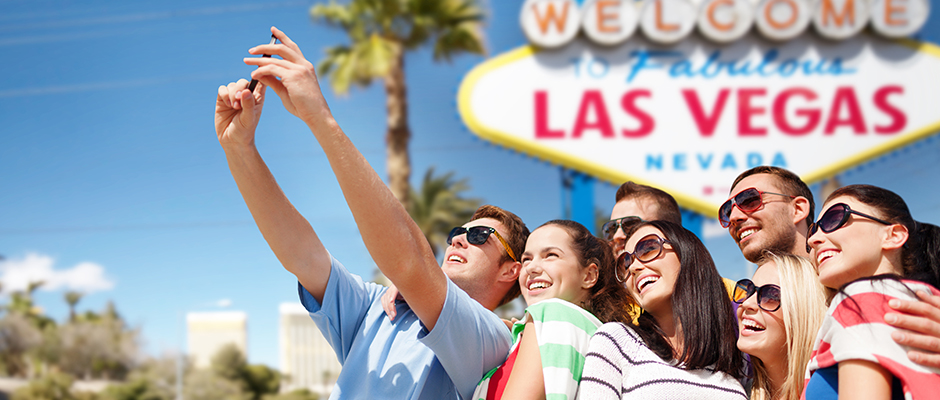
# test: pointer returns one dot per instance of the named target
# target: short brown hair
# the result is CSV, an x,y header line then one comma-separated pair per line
x,y
668,209
790,184
516,235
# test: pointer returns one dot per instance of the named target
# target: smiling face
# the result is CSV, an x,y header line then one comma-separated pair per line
x,y
474,268
856,250
652,283
762,333
770,227
551,268
639,206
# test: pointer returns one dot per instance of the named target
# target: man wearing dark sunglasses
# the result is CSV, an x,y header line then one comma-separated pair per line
x,y
446,337
771,208
636,203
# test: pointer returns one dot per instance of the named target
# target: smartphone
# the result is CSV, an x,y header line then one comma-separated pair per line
x,y
254,82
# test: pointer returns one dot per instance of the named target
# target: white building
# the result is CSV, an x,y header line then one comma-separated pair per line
x,y
207,332
307,360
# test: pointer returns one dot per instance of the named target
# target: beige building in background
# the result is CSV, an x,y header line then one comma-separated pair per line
x,y
207,332
307,360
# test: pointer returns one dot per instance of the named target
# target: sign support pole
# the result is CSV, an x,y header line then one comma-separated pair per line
x,y
579,189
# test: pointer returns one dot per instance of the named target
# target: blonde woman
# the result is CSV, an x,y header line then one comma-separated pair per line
x,y
781,310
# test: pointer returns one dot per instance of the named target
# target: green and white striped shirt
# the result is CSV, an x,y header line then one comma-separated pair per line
x,y
563,331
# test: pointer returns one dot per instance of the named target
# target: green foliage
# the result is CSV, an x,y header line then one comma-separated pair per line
x,y
229,362
137,389
54,386
260,380
299,394
439,206
255,380
381,31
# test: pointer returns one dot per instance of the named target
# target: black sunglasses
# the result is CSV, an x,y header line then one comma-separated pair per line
x,y
747,200
610,227
768,296
647,249
477,235
836,217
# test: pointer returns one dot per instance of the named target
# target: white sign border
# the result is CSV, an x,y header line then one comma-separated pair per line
x,y
533,149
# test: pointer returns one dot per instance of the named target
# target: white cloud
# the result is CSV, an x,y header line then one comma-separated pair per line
x,y
86,277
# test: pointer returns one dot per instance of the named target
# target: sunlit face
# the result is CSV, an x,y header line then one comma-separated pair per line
x,y
551,269
652,283
770,227
851,252
631,207
475,267
762,333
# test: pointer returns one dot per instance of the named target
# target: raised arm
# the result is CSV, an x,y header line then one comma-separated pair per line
x,y
288,234
394,241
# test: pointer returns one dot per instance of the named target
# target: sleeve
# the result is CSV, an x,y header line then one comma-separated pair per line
x,y
345,303
855,330
468,340
603,365
563,331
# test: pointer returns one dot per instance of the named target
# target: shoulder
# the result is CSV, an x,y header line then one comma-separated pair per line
x,y
617,335
557,310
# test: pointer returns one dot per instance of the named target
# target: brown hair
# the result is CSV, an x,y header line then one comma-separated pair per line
x,y
667,208
608,300
790,184
516,235
920,256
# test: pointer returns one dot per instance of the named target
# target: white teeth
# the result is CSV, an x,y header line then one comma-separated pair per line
x,y
539,285
825,255
745,233
646,281
751,324
455,258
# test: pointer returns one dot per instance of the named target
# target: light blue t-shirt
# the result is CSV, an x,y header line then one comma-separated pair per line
x,y
400,359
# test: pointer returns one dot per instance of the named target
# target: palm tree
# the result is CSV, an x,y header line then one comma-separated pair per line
x,y
381,31
439,206
72,298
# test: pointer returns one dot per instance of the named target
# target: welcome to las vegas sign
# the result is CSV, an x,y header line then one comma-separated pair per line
x,y
689,117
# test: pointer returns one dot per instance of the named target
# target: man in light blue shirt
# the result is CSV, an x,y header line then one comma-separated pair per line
x,y
446,336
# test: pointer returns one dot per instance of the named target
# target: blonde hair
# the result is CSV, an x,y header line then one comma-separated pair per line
x,y
803,304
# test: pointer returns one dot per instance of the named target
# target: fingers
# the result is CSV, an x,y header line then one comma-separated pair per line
x,y
930,299
918,327
287,49
388,304
924,359
929,358
233,90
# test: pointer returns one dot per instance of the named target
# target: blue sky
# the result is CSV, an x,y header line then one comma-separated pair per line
x,y
113,182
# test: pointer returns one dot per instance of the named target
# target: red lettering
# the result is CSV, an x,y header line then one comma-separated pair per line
x,y
898,118
542,131
811,115
746,112
647,123
845,98
593,100
706,123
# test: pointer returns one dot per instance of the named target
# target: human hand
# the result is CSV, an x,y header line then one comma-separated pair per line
x,y
237,112
388,302
510,322
919,327
292,77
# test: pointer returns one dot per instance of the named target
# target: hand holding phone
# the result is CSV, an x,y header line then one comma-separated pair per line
x,y
254,82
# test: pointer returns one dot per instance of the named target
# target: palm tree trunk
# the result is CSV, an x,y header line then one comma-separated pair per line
x,y
398,161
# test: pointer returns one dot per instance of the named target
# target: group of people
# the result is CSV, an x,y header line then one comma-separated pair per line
x,y
841,306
